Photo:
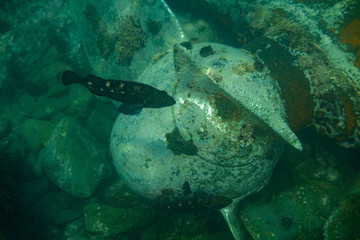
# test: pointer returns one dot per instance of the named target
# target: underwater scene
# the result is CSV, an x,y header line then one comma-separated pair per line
x,y
179,119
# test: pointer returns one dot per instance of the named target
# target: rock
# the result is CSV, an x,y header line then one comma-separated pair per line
x,y
188,225
13,144
294,213
106,221
46,107
37,168
4,143
57,117
4,127
77,238
34,165
57,90
58,209
35,133
48,74
344,221
27,102
3,76
66,215
74,161
81,101
119,195
31,192
107,108
75,230
100,126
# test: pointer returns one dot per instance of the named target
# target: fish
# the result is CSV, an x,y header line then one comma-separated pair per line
x,y
134,95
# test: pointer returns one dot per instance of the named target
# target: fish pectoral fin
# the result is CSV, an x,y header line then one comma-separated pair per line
x,y
130,109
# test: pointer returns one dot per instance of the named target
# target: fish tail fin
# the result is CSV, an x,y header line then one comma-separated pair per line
x,y
69,77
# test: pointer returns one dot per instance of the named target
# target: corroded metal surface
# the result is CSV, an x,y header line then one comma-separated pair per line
x,y
217,140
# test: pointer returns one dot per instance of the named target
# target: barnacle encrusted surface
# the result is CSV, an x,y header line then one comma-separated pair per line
x,y
276,25
105,40
335,110
131,38
329,78
125,40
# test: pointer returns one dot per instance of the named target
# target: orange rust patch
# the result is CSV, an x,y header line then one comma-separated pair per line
x,y
357,63
299,105
351,123
295,88
279,12
350,34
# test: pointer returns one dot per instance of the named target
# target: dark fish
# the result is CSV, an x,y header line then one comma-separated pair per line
x,y
134,95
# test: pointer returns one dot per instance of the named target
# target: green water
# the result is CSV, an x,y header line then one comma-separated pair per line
x,y
57,179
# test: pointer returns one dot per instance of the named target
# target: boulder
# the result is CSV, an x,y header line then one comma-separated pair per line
x,y
27,102
74,161
4,127
105,221
46,107
99,125
35,133
58,208
81,101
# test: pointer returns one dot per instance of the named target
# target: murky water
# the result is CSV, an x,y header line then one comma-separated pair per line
x,y
165,170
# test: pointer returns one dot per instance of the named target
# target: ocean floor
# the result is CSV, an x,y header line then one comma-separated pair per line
x,y
57,179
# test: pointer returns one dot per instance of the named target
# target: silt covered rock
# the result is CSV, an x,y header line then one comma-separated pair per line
x,y
74,161
104,220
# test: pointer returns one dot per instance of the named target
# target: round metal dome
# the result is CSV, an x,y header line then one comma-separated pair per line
x,y
222,138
